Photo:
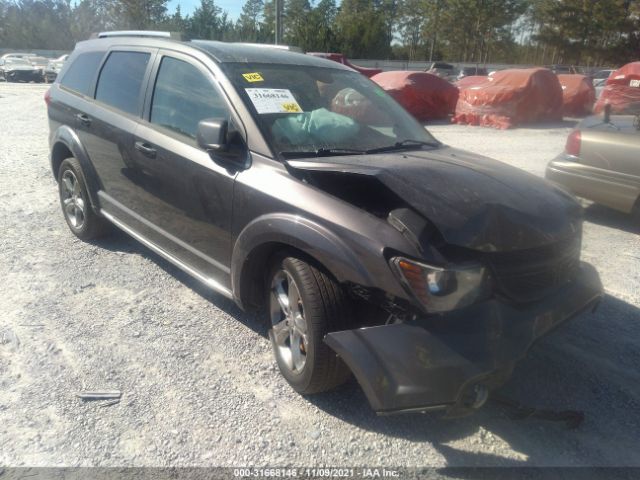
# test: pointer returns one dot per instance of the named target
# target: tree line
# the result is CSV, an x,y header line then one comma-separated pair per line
x,y
586,32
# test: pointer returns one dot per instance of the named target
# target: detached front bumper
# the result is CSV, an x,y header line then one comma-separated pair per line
x,y
437,362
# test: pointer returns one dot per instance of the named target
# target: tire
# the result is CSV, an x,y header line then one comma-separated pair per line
x,y
323,308
83,222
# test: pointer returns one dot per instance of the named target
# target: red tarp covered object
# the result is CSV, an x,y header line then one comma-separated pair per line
x,y
340,58
470,81
511,97
578,94
423,95
622,91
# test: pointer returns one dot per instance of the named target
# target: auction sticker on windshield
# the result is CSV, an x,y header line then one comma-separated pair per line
x,y
253,77
273,100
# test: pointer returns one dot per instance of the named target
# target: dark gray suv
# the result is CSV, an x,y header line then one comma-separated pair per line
x,y
297,187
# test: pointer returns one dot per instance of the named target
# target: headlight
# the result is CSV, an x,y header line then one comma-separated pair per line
x,y
442,289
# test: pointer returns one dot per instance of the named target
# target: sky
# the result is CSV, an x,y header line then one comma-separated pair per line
x,y
233,7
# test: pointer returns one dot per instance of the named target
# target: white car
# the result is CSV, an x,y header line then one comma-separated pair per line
x,y
53,68
13,69
17,55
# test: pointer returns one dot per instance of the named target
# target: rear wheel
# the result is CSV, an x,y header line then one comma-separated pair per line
x,y
304,305
74,200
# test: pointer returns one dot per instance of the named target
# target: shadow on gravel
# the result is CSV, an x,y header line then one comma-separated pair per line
x,y
588,365
608,217
119,241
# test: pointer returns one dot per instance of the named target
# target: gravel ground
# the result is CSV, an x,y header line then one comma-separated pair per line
x,y
200,387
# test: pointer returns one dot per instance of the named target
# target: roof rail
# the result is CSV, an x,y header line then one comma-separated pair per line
x,y
289,48
138,33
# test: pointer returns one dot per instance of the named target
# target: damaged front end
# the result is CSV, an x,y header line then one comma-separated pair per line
x,y
450,361
492,263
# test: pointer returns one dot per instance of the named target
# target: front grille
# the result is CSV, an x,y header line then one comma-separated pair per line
x,y
528,275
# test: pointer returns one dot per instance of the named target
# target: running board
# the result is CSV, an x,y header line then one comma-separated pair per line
x,y
209,282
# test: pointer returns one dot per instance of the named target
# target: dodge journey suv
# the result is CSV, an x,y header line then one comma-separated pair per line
x,y
297,187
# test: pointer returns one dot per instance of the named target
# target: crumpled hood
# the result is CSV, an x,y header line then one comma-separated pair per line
x,y
474,201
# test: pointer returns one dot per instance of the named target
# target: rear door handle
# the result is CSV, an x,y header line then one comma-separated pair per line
x,y
84,119
146,149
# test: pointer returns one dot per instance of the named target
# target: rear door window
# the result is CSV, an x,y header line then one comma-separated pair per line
x,y
120,81
79,77
183,95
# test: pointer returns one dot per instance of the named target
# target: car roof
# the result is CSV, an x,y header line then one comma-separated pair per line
x,y
18,55
221,52
225,52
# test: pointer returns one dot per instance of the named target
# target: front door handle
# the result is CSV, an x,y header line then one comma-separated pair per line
x,y
84,119
146,149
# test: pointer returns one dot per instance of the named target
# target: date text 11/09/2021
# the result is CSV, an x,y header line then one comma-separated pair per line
x,y
316,473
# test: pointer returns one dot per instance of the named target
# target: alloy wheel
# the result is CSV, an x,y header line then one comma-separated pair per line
x,y
289,326
72,202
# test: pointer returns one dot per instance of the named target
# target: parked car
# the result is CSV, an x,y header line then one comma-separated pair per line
x,y
14,69
442,69
41,64
600,77
566,69
226,160
601,162
53,67
341,58
472,71
17,55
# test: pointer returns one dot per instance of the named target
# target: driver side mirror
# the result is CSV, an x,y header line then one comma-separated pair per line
x,y
212,134
222,142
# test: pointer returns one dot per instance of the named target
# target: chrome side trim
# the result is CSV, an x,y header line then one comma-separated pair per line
x,y
164,233
210,282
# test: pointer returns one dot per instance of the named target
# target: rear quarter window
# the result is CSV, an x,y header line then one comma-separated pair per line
x,y
121,79
82,71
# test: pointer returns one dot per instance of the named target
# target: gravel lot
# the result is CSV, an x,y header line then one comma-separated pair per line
x,y
199,383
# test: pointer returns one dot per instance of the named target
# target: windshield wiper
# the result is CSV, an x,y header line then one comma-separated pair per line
x,y
404,144
323,152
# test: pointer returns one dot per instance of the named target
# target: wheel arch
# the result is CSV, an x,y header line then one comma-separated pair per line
x,y
65,144
264,237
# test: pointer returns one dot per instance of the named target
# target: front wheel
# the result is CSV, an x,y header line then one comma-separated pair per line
x,y
304,305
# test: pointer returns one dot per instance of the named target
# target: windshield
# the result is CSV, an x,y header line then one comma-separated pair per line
x,y
302,109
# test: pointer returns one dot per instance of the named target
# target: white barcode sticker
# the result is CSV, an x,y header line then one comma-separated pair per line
x,y
273,100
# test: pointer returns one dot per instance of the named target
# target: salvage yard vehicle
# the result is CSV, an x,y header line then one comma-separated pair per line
x,y
41,64
53,67
341,58
601,162
472,72
371,247
17,55
14,69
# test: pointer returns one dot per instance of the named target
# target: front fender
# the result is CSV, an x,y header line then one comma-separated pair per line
x,y
303,234
65,136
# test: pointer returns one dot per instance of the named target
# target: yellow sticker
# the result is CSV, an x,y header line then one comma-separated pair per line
x,y
253,77
291,107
